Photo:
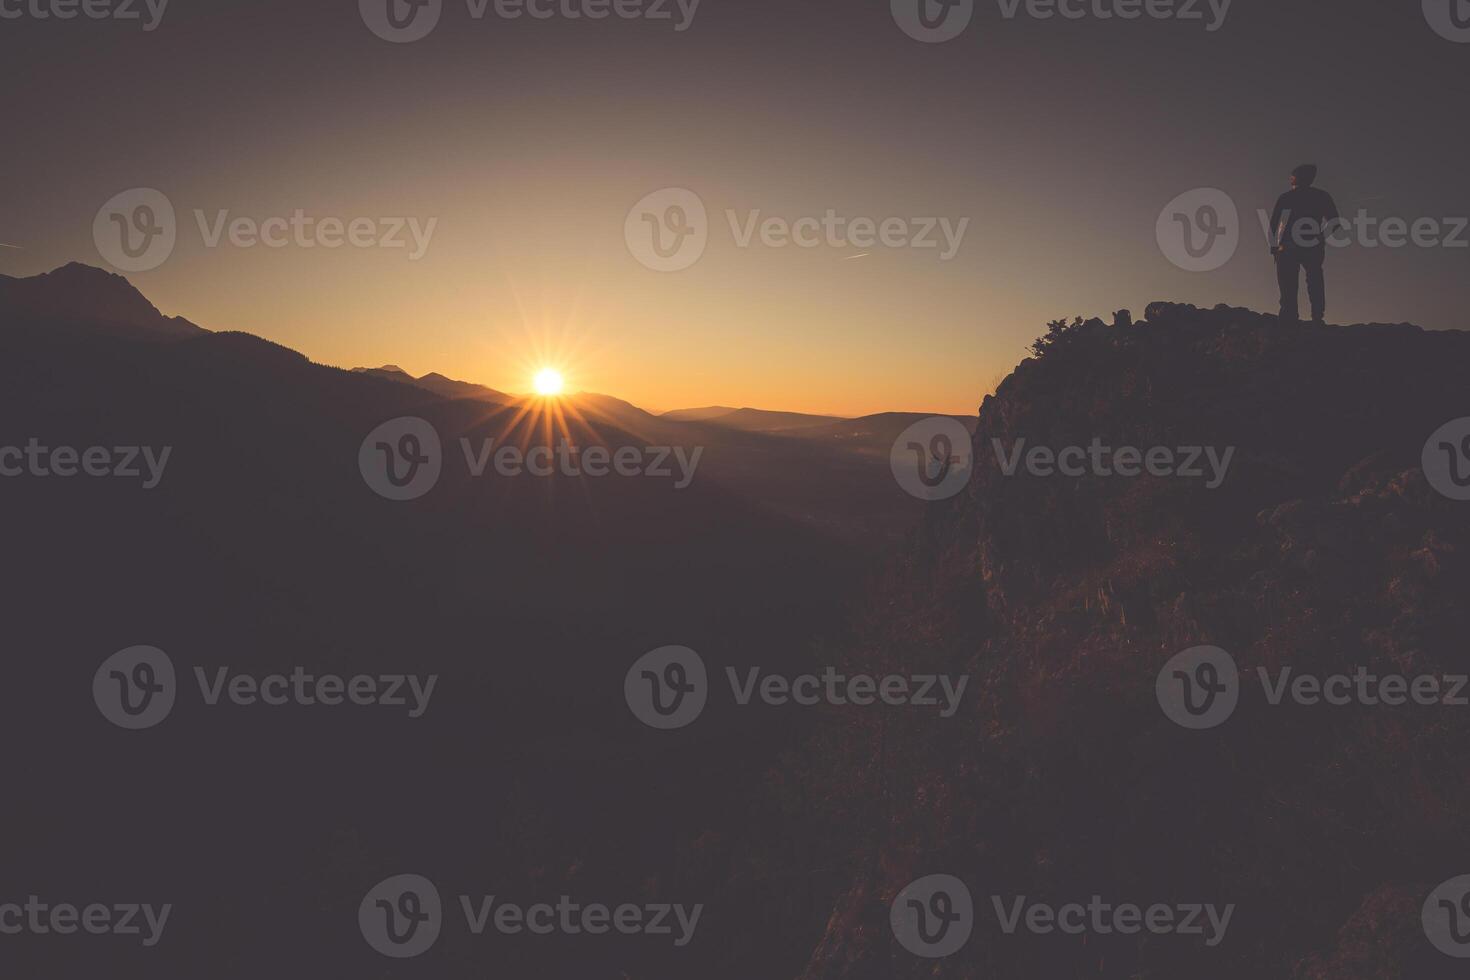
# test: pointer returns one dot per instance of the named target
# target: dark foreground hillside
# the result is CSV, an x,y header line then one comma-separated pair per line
x,y
262,550
1324,550
1312,539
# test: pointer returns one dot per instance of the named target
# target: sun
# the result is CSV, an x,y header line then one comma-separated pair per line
x,y
548,382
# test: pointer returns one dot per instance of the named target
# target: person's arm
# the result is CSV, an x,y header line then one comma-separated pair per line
x,y
1274,235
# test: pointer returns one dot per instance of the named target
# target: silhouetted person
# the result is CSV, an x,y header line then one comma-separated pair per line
x,y
1300,225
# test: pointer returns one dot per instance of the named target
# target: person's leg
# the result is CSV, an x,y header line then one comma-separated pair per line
x,y
1287,273
1316,281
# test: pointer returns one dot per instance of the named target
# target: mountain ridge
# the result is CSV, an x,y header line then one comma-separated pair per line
x,y
76,294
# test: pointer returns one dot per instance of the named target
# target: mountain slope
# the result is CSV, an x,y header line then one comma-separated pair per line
x,y
262,549
1324,550
81,295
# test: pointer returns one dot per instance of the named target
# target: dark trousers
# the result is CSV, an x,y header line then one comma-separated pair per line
x,y
1289,266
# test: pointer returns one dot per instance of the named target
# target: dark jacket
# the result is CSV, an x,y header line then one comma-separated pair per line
x,y
1302,218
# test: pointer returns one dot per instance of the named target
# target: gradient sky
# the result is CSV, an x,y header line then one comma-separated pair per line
x,y
529,141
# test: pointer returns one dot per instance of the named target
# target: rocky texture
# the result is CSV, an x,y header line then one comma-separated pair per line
x,y
1324,550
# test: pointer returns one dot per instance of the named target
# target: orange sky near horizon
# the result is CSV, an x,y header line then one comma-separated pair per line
x,y
528,144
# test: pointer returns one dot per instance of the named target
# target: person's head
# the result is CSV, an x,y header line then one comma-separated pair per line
x,y
1304,176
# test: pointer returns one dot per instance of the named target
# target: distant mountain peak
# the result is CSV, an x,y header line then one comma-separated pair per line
x,y
82,268
750,419
80,294
437,383
704,414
